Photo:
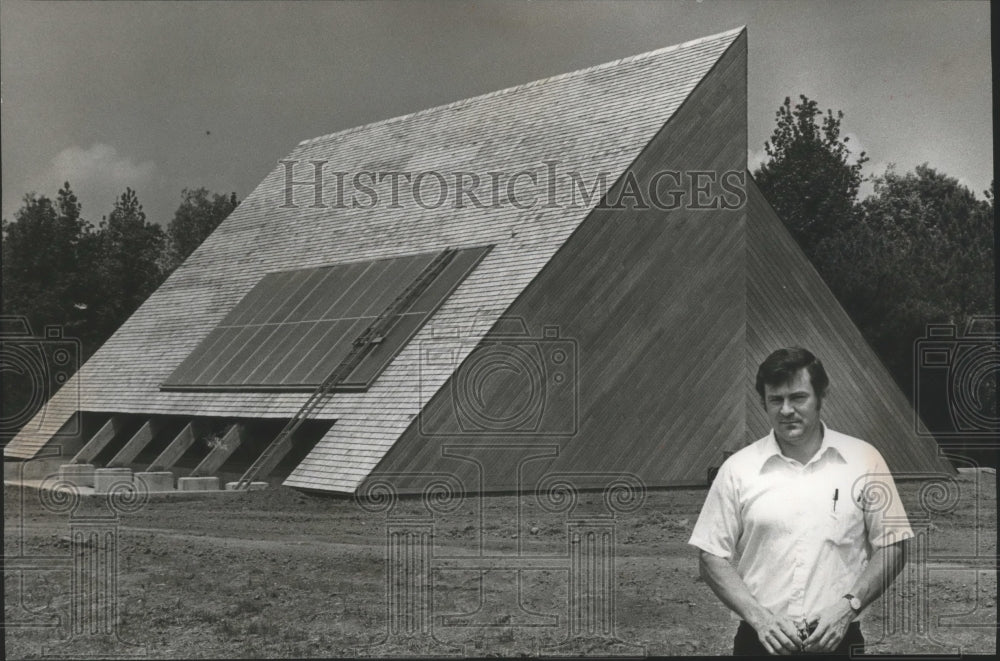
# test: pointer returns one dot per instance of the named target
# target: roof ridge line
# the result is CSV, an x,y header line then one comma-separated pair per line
x,y
506,90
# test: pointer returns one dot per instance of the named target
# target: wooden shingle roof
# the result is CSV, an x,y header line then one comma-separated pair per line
x,y
593,122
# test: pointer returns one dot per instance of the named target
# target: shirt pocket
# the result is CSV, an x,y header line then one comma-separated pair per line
x,y
845,525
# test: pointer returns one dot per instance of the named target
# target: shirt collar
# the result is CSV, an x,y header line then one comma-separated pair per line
x,y
828,446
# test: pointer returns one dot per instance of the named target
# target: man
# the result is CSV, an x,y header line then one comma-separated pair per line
x,y
811,518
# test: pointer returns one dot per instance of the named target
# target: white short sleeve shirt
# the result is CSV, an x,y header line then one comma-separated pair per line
x,y
801,535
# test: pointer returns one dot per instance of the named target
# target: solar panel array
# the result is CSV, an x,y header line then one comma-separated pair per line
x,y
294,327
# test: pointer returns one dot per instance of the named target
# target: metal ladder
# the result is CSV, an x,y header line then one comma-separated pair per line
x,y
362,345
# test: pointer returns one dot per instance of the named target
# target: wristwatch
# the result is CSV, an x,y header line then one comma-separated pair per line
x,y
854,602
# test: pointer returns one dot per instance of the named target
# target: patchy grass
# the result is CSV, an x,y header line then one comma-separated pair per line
x,y
282,574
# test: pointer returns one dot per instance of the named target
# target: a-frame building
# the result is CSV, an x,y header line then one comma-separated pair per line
x,y
540,329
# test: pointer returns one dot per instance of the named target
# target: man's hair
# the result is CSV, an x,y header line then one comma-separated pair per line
x,y
781,366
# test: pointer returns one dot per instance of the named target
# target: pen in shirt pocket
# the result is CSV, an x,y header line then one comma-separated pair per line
x,y
836,493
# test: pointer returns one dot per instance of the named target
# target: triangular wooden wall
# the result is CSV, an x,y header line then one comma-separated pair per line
x,y
655,301
789,304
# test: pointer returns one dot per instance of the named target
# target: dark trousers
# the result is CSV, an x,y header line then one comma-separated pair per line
x,y
747,643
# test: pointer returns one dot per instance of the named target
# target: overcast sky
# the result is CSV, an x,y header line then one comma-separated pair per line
x,y
163,96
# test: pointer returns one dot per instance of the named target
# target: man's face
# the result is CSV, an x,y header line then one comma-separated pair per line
x,y
793,409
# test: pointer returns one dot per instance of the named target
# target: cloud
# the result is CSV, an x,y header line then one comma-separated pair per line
x,y
755,158
855,146
98,175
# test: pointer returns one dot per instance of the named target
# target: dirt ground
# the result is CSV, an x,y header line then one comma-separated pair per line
x,y
281,574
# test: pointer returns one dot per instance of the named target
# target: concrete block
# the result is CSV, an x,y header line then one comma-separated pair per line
x,y
105,478
197,484
81,475
157,481
32,469
254,486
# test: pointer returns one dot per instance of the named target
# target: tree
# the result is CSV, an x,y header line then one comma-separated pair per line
x,y
808,177
919,251
47,251
59,271
197,216
129,260
922,242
